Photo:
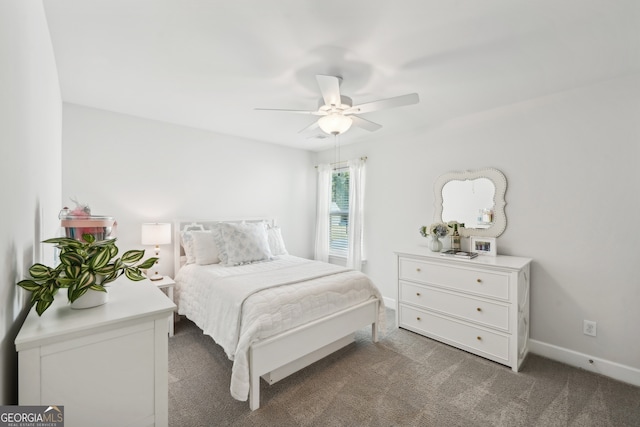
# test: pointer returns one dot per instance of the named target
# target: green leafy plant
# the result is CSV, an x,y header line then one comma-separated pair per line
x,y
84,265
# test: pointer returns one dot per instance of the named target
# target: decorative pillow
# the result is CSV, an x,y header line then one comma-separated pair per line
x,y
187,244
220,243
245,243
276,243
204,248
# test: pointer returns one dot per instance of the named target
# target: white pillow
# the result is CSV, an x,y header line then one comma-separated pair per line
x,y
205,248
245,243
187,242
276,243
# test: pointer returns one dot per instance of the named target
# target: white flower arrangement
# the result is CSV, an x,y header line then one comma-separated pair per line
x,y
439,229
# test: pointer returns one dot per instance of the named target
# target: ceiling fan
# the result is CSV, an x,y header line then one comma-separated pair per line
x,y
337,112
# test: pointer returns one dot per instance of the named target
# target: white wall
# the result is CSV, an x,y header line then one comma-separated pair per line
x,y
572,166
30,165
140,170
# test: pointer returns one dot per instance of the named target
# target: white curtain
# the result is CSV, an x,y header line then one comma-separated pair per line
x,y
323,206
356,213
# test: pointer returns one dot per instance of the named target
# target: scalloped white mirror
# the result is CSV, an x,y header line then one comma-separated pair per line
x,y
475,198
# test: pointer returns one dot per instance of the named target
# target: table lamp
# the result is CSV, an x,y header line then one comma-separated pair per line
x,y
156,234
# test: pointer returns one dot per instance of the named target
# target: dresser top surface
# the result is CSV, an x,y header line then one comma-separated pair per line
x,y
127,301
499,261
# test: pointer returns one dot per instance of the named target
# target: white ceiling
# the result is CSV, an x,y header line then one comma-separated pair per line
x,y
208,64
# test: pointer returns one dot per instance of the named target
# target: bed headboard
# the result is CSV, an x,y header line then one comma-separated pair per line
x,y
185,225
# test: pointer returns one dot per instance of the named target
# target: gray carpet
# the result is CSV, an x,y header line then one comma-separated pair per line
x,y
403,380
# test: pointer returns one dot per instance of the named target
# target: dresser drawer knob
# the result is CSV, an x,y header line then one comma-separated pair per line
x,y
479,338
478,309
418,270
417,318
479,280
418,294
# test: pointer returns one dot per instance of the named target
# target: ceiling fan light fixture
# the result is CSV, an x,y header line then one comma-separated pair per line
x,y
335,123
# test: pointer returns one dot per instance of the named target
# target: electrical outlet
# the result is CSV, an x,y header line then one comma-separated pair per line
x,y
589,327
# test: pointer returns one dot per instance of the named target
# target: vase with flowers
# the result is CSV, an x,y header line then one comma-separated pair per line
x,y
435,232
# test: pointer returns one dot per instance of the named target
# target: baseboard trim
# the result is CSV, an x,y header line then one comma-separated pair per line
x,y
389,303
610,369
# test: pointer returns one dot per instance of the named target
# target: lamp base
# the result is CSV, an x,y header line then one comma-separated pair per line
x,y
156,277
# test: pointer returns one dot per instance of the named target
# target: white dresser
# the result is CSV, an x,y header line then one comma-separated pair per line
x,y
479,305
107,365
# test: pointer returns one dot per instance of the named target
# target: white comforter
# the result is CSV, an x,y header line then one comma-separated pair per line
x,y
240,305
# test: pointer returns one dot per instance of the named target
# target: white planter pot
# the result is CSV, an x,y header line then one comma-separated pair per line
x,y
90,299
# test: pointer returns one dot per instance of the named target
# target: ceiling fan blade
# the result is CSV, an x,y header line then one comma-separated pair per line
x,y
398,101
364,123
330,89
312,126
313,113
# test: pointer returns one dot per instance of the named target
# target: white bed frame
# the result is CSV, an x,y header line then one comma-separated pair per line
x,y
281,355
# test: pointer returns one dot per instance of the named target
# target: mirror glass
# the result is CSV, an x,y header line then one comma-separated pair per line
x,y
469,202
475,198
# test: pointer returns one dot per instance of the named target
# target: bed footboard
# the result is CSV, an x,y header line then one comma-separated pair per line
x,y
281,355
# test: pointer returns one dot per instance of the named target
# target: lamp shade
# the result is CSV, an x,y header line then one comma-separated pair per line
x,y
335,123
156,233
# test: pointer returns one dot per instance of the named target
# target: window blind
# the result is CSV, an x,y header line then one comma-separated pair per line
x,y
339,213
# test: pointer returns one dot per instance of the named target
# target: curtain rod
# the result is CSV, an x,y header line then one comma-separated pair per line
x,y
342,162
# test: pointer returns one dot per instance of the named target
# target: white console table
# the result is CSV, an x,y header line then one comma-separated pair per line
x,y
480,305
107,365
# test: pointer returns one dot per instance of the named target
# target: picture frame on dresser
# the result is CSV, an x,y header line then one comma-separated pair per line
x,y
484,245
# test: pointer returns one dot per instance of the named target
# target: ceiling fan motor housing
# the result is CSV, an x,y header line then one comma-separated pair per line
x,y
345,104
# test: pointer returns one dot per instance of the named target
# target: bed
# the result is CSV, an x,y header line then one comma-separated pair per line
x,y
273,313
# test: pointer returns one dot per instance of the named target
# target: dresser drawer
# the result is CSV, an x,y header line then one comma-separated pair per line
x,y
457,305
491,345
475,281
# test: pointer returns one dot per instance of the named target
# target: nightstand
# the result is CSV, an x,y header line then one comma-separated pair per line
x,y
107,365
167,283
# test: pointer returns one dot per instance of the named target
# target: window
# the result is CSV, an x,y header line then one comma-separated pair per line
x,y
339,213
